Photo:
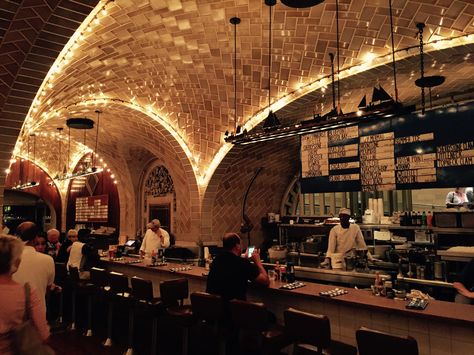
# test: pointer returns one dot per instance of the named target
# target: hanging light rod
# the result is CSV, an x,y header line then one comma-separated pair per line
x,y
89,171
25,186
318,124
301,4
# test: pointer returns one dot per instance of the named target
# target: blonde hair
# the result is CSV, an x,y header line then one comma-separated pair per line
x,y
72,233
11,249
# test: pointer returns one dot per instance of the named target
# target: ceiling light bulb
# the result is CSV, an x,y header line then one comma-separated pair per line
x,y
369,57
7,171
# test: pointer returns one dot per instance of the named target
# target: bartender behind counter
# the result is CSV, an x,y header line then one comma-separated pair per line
x,y
345,236
155,238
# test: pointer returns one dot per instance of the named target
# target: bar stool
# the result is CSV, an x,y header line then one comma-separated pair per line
x,y
147,304
98,282
60,279
77,286
305,329
210,311
256,333
173,293
374,342
118,293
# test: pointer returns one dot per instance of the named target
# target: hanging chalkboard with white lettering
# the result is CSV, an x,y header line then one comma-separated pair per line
x,y
396,153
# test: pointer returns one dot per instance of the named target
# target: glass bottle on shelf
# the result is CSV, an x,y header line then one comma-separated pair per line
x,y
423,219
429,219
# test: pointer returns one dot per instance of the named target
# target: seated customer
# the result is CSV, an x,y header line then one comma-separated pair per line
x,y
53,245
456,198
40,243
230,273
35,268
12,296
465,284
65,249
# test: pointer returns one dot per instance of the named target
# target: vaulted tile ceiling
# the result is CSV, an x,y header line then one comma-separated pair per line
x,y
163,69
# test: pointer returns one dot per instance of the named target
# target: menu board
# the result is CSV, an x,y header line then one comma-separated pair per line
x,y
396,153
92,208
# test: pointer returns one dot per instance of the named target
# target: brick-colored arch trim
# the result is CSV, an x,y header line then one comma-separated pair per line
x,y
32,34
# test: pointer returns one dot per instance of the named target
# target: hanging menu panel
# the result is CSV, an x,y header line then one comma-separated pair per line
x,y
92,208
404,152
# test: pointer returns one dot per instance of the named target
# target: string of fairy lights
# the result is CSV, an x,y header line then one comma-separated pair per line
x,y
203,173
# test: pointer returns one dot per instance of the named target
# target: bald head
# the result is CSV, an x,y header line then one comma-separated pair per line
x,y
53,235
27,231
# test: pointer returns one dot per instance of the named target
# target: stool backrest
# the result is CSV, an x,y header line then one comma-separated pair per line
x,y
142,289
74,274
99,277
249,315
118,282
60,273
207,307
308,328
373,342
174,291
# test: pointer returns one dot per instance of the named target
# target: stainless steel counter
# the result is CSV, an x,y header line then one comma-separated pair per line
x,y
364,279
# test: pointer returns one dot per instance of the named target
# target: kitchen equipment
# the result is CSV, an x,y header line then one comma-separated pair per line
x,y
446,219
440,270
381,250
349,262
277,252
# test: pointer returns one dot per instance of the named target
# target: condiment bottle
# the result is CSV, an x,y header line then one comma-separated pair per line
x,y
423,219
277,271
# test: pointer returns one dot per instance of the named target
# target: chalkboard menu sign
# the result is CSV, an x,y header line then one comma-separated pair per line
x,y
92,208
397,153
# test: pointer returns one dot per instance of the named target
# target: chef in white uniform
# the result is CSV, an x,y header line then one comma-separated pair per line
x,y
155,238
345,236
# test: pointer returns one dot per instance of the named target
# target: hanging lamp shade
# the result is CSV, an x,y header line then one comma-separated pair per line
x,y
80,123
300,4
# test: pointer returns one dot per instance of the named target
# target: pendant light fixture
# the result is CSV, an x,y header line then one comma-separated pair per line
x,y
300,4
272,121
425,81
83,123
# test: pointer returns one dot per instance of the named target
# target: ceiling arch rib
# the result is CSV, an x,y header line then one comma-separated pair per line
x,y
177,59
121,127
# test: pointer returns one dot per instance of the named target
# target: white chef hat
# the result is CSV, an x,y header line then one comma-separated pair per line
x,y
345,211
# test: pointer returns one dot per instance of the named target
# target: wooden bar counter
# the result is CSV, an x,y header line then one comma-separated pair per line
x,y
442,328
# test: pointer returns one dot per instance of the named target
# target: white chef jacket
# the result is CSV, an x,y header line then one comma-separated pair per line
x,y
152,241
342,240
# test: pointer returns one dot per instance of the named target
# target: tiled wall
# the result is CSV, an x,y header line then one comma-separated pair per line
x,y
279,160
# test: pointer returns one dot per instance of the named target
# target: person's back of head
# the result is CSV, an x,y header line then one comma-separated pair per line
x,y
230,241
27,231
10,254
